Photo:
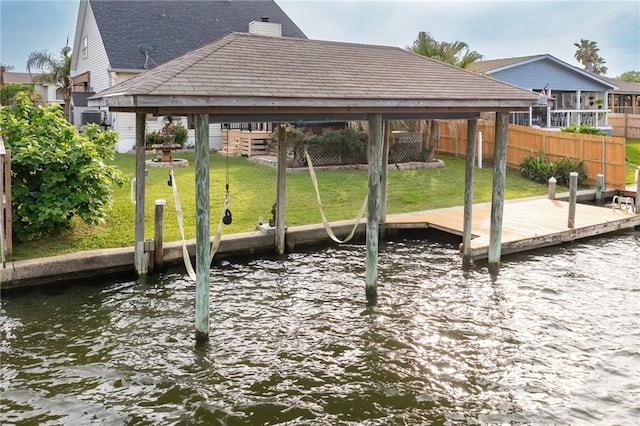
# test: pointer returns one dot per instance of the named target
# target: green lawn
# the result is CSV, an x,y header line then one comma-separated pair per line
x,y
632,154
252,189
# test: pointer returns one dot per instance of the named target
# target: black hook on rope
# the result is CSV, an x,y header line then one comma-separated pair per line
x,y
227,219
170,181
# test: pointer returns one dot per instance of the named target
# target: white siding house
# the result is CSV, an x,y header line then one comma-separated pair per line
x,y
116,40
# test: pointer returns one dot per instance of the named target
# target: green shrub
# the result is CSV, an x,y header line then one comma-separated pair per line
x,y
540,170
180,134
583,128
348,145
153,138
56,172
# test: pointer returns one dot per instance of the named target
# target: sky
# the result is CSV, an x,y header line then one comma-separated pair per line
x,y
495,29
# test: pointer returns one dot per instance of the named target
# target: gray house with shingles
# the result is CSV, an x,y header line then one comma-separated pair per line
x,y
575,95
116,40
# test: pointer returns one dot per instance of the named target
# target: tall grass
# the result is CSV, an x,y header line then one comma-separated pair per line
x,y
253,192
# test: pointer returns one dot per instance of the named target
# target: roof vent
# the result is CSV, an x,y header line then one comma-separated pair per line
x,y
265,27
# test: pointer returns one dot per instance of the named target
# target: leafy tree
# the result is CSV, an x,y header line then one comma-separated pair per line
x,y
455,53
54,70
587,52
9,91
630,76
7,67
56,172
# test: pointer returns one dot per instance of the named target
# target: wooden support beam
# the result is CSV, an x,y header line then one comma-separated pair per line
x,y
139,257
497,197
202,227
158,243
373,204
472,128
384,171
280,189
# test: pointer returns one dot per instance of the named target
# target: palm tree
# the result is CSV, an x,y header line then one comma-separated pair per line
x,y
587,52
455,53
54,70
598,66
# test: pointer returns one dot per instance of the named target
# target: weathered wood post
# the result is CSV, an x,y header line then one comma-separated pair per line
x,y
599,187
158,252
497,197
385,171
573,192
552,188
472,127
638,190
139,257
280,189
373,204
202,227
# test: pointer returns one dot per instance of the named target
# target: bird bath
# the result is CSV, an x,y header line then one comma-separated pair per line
x,y
164,149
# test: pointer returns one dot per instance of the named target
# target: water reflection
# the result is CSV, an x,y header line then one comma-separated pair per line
x,y
553,339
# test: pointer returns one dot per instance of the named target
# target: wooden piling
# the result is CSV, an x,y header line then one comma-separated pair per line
x,y
158,252
599,187
573,192
552,188
373,204
202,227
139,257
384,172
497,197
280,189
472,127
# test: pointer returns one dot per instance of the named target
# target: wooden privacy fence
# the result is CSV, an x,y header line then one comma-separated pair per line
x,y
599,154
5,209
625,125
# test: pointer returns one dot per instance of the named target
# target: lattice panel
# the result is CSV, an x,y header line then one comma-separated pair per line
x,y
405,147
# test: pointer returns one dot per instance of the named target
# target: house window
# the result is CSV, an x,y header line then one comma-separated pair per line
x,y
85,48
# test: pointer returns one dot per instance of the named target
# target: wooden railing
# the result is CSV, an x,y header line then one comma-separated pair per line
x,y
599,154
5,209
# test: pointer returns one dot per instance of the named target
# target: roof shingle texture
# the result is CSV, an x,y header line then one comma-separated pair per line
x,y
174,28
261,66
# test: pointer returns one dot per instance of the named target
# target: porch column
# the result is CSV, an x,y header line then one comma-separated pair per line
x,y
578,107
373,204
140,259
497,197
280,189
202,227
472,127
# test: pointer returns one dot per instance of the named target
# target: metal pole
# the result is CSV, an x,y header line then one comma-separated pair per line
x,y
573,191
472,127
552,188
373,204
638,190
139,258
280,189
479,150
497,197
202,227
158,251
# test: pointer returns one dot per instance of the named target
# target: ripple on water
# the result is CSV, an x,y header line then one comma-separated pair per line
x,y
554,338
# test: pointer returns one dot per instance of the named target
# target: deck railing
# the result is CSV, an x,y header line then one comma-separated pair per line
x,y
563,118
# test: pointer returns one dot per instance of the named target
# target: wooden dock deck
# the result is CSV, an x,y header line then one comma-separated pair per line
x,y
527,224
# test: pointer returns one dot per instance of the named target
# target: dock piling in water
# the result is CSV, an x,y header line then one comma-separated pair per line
x,y
573,192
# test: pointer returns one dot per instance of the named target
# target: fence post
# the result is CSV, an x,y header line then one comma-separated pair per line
x,y
599,187
573,190
638,190
552,188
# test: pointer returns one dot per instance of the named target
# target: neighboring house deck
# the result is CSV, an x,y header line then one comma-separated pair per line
x,y
116,40
569,95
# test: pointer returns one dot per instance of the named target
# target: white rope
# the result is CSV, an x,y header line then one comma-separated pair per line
x,y
215,244
325,222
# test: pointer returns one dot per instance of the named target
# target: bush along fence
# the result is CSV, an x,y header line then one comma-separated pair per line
x,y
598,154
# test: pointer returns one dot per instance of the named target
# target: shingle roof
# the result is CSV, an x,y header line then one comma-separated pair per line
x,y
258,67
491,64
623,86
19,77
174,28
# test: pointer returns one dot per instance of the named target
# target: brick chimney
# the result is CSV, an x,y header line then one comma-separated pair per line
x,y
265,27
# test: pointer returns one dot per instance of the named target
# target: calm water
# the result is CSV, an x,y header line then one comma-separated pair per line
x,y
555,338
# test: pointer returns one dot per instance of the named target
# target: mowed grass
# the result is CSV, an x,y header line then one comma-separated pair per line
x,y
253,192
632,154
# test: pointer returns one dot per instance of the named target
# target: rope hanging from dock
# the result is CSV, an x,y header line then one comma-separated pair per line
x,y
215,244
325,222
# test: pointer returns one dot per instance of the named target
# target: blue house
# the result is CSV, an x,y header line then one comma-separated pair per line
x,y
568,95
